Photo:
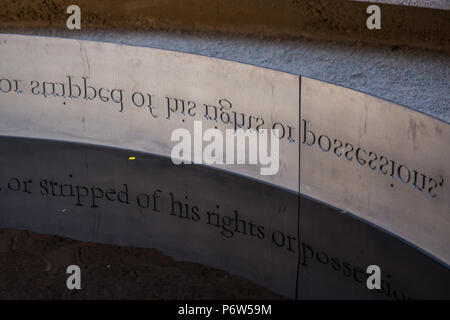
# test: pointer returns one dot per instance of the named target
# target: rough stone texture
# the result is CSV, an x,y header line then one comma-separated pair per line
x,y
436,4
341,20
417,78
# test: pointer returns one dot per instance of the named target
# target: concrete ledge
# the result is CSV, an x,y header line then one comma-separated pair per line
x,y
432,4
319,19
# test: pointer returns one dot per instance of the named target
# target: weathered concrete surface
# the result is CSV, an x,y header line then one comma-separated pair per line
x,y
435,4
317,19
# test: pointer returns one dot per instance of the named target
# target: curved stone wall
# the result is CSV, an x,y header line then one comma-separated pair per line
x,y
361,181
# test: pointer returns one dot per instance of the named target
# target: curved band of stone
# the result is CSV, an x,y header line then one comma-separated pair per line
x,y
379,161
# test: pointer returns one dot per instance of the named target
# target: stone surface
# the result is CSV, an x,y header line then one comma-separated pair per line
x,y
138,96
245,223
416,78
435,4
319,19
326,250
188,216
382,162
183,88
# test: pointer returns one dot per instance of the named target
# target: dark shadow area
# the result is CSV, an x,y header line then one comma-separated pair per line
x,y
192,214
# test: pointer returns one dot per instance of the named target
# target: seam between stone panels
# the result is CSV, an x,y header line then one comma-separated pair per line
x,y
297,279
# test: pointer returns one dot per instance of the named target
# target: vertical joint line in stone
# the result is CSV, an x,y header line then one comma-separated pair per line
x,y
299,194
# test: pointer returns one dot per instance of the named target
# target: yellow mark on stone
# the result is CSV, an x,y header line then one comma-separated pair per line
x,y
131,158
